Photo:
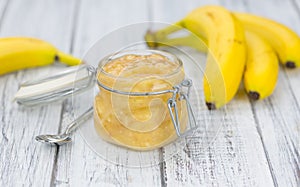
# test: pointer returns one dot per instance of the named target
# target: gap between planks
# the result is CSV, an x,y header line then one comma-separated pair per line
x,y
259,131
4,9
75,12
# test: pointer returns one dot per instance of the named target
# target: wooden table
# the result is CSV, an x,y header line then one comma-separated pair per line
x,y
258,146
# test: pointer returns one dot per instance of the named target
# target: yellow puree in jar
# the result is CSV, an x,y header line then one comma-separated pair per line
x,y
138,122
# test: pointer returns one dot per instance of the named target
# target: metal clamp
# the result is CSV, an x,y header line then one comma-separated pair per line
x,y
172,105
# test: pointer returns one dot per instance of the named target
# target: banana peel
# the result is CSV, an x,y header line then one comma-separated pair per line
x,y
17,53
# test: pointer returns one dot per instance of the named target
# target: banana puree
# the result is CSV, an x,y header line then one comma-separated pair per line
x,y
138,122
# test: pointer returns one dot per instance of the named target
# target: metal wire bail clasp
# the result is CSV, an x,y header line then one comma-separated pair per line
x,y
172,105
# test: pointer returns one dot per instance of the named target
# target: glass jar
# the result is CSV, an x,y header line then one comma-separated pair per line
x,y
139,105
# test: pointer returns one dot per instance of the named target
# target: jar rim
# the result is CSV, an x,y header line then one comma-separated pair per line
x,y
118,54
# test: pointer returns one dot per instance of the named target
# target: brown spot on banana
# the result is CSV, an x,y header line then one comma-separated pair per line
x,y
209,14
235,41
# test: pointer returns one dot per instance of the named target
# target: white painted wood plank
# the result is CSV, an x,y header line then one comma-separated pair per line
x,y
275,117
3,7
77,164
172,11
279,116
237,157
23,160
212,168
290,19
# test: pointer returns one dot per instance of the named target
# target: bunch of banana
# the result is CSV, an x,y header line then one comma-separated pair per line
x,y
226,60
19,53
265,42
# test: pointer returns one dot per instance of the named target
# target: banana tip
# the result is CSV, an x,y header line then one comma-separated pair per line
x,y
56,58
254,95
290,64
211,106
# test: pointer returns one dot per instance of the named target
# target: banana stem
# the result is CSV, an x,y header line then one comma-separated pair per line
x,y
67,59
161,38
190,41
163,33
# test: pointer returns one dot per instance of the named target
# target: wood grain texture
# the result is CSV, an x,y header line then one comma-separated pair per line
x,y
24,161
258,144
236,158
77,164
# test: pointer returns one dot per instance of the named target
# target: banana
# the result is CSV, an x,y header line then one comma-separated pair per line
x,y
285,42
227,50
261,73
19,53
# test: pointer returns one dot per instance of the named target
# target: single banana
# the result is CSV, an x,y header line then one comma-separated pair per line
x,y
285,42
262,67
19,53
227,50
